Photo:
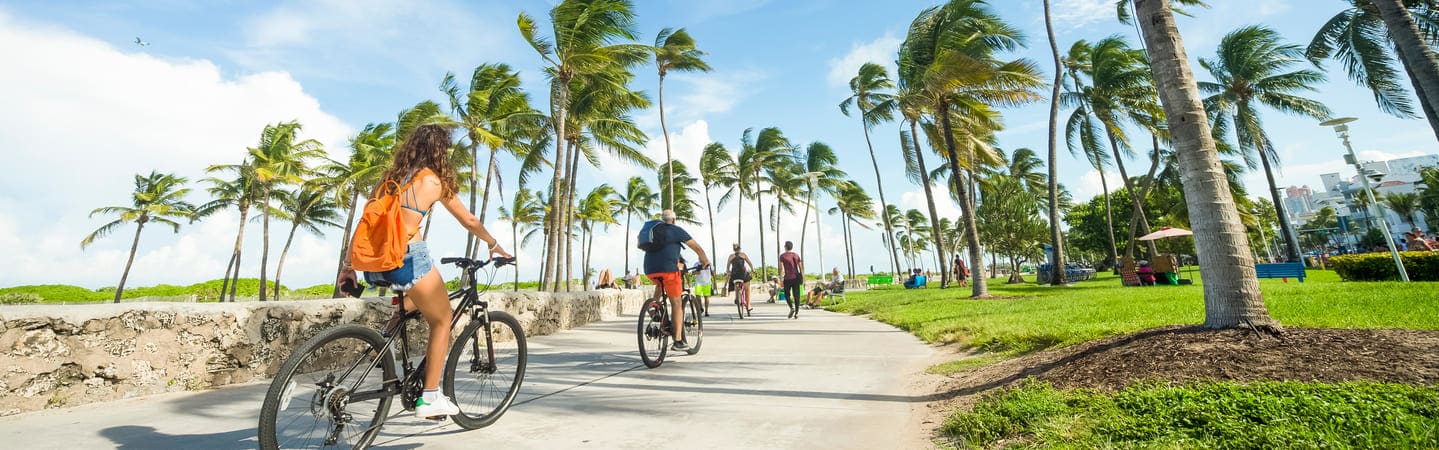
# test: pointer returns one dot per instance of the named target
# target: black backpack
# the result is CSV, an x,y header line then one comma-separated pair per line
x,y
654,234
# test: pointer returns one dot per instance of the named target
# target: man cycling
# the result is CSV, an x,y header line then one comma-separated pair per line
x,y
740,269
661,267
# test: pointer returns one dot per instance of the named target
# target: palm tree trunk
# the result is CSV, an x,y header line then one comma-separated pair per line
x,y
558,111
515,244
1133,194
1109,220
934,230
570,215
628,212
883,205
1056,239
714,249
804,227
670,198
225,285
235,256
1231,291
120,290
1418,58
848,244
1291,242
470,248
1135,224
265,243
979,288
280,268
759,205
345,241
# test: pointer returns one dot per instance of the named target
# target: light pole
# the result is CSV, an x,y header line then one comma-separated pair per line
x,y
813,185
1342,129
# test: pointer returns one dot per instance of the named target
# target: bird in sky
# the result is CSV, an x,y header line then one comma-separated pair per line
x,y
141,43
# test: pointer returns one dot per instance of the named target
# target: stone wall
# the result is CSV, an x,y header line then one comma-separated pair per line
x,y
61,355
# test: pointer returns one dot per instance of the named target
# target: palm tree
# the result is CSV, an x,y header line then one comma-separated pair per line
x,y
684,189
637,200
494,113
892,215
819,158
875,105
582,44
1413,44
157,198
279,159
718,171
854,206
1358,39
308,207
1082,133
371,151
1429,195
759,154
238,192
526,211
786,185
1405,204
912,106
597,208
1231,291
1056,238
1249,70
675,50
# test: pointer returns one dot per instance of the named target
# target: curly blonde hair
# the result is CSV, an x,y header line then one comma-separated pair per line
x,y
428,147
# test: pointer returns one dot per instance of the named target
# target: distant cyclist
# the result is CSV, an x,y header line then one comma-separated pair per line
x,y
740,269
662,267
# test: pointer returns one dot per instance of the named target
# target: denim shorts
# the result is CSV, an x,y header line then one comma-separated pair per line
x,y
416,265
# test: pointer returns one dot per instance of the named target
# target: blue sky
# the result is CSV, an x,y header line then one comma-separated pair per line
x,y
89,108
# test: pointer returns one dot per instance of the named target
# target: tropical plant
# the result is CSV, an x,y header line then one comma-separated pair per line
x,y
1429,195
597,209
310,207
1056,238
718,171
636,200
912,106
1009,216
1358,39
674,51
1405,204
371,152
1082,134
1250,71
758,154
1231,291
819,160
238,192
525,213
279,159
1413,44
157,198
854,206
870,99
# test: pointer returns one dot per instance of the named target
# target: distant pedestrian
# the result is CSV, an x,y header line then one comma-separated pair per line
x,y
961,271
792,271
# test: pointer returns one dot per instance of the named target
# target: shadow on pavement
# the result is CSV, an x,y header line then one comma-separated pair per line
x,y
143,437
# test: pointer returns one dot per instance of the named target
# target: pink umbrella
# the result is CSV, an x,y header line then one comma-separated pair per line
x,y
1165,232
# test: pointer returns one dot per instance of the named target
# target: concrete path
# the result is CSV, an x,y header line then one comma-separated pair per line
x,y
823,381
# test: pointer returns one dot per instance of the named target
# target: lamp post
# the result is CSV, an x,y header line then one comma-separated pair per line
x,y
1342,129
813,185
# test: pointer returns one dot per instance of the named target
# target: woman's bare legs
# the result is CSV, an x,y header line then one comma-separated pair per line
x,y
434,303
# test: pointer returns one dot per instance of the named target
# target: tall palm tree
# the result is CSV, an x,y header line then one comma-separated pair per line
x,y
891,214
308,207
495,113
718,171
525,212
1231,291
596,209
1082,134
675,51
1056,238
279,159
238,192
854,207
1405,204
636,200
912,106
760,154
584,35
685,206
872,101
786,184
1429,195
371,151
1250,71
157,198
1358,39
1414,44
819,158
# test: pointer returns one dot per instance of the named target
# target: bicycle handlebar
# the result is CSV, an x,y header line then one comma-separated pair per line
x,y
465,263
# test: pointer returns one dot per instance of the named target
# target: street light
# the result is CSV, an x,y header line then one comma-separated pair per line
x,y
814,184
1342,129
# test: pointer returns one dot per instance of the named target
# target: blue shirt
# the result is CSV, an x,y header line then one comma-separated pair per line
x,y
665,259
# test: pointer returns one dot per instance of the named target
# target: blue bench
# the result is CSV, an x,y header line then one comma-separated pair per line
x,y
1280,270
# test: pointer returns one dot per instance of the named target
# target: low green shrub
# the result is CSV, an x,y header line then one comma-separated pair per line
x,y
1421,266
19,298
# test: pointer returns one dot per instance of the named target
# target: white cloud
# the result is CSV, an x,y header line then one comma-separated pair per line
x,y
704,94
1074,14
83,117
943,205
1090,186
879,51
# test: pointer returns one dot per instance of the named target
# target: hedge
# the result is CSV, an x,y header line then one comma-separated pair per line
x,y
1421,266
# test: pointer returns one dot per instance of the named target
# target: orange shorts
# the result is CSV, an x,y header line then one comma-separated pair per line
x,y
670,281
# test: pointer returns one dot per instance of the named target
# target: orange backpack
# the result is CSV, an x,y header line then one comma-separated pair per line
x,y
381,238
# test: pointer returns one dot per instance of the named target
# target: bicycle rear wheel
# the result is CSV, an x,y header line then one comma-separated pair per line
x,y
482,387
654,335
738,302
693,324
330,392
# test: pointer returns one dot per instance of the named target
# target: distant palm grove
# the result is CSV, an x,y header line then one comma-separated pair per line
x,y
1112,100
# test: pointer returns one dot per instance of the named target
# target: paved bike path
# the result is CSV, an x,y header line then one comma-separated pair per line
x,y
825,380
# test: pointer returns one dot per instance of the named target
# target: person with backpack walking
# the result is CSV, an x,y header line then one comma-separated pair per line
x,y
420,176
791,268
661,242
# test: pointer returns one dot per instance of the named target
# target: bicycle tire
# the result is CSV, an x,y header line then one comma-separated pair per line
x,y
694,324
654,337
337,354
739,305
488,377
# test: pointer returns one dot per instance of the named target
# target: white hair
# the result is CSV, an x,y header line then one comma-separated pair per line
x,y
668,215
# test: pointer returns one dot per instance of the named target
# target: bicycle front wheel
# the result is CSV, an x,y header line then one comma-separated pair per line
x,y
484,375
330,393
694,324
654,333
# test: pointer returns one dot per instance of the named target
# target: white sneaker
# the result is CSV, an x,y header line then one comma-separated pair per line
x,y
442,407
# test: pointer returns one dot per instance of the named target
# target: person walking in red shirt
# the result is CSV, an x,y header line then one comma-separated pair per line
x,y
792,271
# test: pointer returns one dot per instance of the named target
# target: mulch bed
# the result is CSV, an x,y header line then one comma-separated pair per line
x,y
1182,354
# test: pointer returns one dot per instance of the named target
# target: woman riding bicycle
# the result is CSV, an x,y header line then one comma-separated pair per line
x,y
740,269
423,167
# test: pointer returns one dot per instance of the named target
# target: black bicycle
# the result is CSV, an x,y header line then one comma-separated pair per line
x,y
655,326
336,389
